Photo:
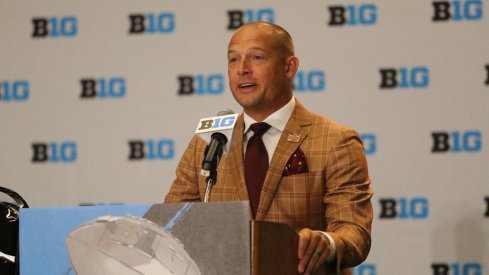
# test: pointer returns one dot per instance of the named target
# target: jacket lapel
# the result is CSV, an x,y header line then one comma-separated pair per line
x,y
236,158
296,128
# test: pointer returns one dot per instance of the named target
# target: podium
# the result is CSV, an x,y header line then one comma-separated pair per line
x,y
274,249
218,238
272,246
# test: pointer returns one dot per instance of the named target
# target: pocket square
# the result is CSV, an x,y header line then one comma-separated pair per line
x,y
297,164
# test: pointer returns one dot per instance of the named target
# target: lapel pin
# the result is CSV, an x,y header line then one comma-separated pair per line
x,y
294,138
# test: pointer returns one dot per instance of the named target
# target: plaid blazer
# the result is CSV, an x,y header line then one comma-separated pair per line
x,y
332,196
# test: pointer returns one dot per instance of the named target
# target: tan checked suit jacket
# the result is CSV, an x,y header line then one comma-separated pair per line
x,y
333,196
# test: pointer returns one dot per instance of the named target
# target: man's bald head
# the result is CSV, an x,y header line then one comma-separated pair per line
x,y
278,36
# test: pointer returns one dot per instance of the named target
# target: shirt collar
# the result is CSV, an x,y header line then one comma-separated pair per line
x,y
277,120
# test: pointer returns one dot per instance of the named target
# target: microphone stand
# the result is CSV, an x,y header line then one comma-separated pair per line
x,y
211,180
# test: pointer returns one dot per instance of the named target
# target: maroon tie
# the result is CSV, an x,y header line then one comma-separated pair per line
x,y
256,164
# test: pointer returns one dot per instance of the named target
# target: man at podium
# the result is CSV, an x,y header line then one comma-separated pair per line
x,y
295,167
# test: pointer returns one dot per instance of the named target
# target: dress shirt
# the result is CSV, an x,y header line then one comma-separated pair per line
x,y
277,120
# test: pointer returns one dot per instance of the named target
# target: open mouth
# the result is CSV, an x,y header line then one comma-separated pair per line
x,y
246,85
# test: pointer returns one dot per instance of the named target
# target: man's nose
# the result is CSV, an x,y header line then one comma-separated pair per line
x,y
244,67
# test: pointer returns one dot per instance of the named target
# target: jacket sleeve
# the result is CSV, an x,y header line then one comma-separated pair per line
x,y
347,200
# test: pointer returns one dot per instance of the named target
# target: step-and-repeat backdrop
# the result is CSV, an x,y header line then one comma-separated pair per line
x,y
98,100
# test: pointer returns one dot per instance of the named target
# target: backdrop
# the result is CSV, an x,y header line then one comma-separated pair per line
x,y
99,99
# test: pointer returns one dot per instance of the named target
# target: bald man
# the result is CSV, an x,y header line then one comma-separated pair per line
x,y
316,176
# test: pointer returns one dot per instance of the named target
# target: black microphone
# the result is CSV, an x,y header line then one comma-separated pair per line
x,y
213,151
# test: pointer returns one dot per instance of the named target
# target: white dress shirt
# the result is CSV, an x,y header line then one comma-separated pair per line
x,y
277,120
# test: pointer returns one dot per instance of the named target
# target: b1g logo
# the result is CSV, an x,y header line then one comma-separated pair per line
x,y
404,78
162,149
114,87
310,81
54,152
472,268
404,208
17,90
364,269
220,122
152,23
54,27
352,15
369,143
457,142
212,84
237,18
457,10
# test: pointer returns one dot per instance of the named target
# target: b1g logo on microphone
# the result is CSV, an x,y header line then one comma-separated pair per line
x,y
237,18
364,269
217,123
404,208
457,10
212,84
310,81
161,149
114,87
12,91
352,15
54,152
369,143
405,78
471,268
152,23
54,27
457,142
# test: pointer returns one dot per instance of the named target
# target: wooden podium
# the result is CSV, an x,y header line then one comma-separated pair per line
x,y
274,249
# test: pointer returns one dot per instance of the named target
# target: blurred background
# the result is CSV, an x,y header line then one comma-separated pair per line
x,y
99,99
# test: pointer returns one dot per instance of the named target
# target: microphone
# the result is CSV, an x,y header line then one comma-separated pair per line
x,y
219,129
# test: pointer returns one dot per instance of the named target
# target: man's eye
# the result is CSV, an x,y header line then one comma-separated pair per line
x,y
258,57
232,60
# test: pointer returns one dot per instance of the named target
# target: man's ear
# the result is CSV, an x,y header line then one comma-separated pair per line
x,y
291,66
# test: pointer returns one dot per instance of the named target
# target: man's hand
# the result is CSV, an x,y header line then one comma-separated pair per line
x,y
313,250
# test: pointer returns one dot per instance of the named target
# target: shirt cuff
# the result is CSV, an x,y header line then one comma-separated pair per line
x,y
332,246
